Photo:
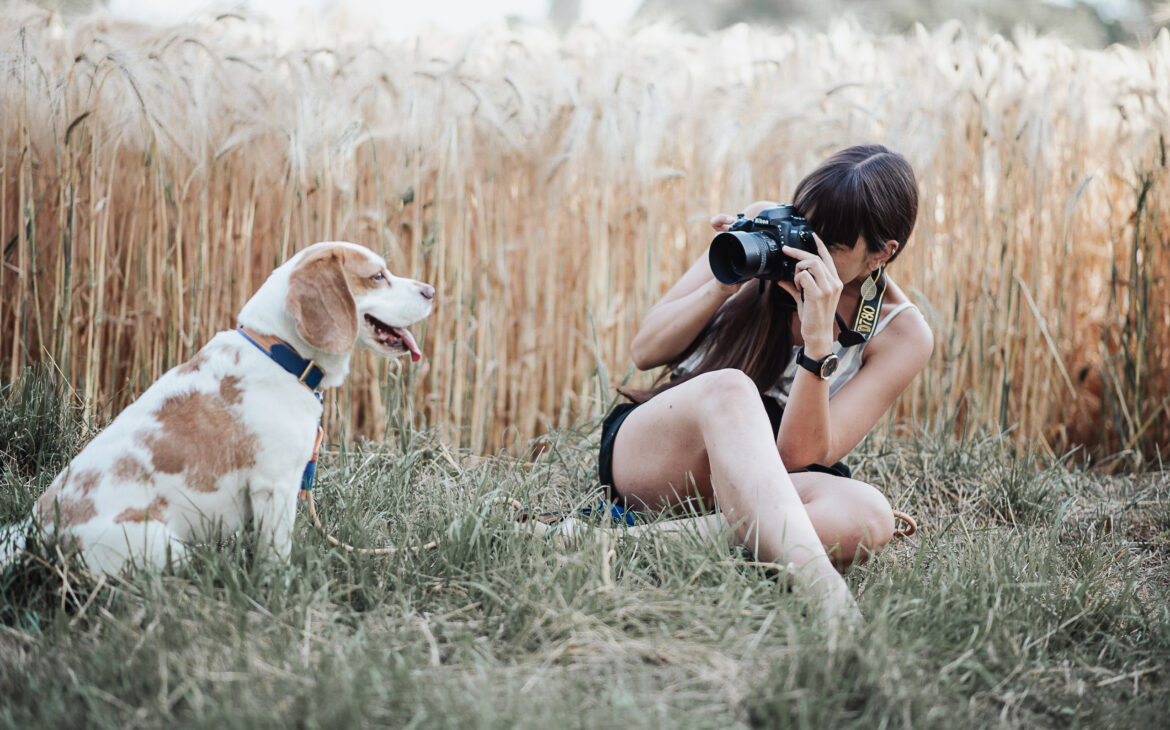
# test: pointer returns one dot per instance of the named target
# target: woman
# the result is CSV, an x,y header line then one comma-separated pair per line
x,y
746,421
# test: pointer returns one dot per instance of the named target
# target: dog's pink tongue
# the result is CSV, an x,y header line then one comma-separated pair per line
x,y
408,340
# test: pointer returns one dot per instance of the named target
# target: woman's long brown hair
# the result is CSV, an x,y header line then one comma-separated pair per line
x,y
863,192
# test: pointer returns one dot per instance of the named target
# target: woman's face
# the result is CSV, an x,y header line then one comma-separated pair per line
x,y
853,263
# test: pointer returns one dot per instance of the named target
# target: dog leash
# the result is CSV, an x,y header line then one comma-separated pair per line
x,y
310,374
910,527
306,495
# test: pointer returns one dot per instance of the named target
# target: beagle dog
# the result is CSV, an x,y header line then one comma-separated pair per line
x,y
224,438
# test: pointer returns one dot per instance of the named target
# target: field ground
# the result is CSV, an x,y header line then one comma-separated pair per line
x,y
1035,595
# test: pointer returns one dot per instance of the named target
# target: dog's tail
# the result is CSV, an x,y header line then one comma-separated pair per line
x,y
12,540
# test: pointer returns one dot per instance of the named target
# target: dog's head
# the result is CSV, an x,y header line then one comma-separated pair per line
x,y
342,294
338,295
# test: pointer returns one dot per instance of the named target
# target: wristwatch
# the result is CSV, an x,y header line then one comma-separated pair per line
x,y
822,368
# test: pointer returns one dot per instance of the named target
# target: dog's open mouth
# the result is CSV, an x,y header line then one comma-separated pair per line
x,y
395,338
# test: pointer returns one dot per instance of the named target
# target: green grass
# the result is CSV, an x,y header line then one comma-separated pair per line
x,y
1036,595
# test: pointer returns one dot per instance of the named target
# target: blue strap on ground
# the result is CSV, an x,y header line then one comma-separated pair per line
x,y
618,514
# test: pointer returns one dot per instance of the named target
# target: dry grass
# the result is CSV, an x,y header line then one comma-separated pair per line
x,y
552,188
1036,595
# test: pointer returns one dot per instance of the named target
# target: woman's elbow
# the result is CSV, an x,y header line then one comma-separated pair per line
x,y
642,355
802,456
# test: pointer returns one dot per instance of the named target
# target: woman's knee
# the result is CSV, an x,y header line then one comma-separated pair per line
x,y
875,521
726,391
852,517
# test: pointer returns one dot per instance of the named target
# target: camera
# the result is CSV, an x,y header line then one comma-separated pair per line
x,y
751,248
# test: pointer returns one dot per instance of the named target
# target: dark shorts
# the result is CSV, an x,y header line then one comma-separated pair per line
x,y
613,422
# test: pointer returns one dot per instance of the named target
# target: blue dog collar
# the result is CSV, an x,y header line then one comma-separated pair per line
x,y
282,353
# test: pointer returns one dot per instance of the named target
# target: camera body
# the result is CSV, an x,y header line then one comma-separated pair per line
x,y
751,248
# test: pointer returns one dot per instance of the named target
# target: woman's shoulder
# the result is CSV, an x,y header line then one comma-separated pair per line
x,y
895,300
902,328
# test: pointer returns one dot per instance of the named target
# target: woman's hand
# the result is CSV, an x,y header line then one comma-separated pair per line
x,y
721,222
817,290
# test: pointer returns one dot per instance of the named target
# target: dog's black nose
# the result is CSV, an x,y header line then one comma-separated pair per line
x,y
427,291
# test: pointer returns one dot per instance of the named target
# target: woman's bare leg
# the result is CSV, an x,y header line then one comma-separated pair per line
x,y
710,437
852,519
711,528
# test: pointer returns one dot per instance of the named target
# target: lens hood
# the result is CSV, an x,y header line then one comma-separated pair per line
x,y
737,256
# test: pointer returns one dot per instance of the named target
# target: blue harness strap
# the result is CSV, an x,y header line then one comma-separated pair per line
x,y
310,473
306,372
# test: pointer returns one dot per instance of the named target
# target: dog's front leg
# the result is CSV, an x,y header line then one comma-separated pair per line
x,y
274,510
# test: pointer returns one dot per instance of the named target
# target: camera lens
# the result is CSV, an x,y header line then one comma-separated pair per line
x,y
737,256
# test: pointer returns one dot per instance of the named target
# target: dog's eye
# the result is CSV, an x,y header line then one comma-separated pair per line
x,y
378,277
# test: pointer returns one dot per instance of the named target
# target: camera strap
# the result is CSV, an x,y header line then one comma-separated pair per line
x,y
873,292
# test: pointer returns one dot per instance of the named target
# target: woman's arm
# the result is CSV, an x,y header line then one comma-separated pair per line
x,y
816,430
674,321
813,431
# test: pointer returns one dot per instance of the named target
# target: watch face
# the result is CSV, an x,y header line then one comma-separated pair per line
x,y
829,366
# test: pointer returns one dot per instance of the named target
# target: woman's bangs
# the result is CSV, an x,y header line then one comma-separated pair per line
x,y
837,214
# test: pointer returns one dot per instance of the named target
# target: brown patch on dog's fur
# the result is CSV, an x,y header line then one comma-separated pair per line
x,y
46,500
193,365
201,438
230,390
320,299
129,469
358,268
152,511
86,480
68,508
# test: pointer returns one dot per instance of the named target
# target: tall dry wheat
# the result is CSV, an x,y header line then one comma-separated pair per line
x,y
552,188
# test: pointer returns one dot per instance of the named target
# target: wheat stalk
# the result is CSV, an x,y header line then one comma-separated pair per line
x,y
552,188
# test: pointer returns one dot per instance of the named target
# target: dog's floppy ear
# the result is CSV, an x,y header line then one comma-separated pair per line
x,y
320,302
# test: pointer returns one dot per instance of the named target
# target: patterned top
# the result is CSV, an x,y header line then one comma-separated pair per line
x,y
848,365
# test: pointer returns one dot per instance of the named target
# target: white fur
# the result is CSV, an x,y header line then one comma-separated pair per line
x,y
280,413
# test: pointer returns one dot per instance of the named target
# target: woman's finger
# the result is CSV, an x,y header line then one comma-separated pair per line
x,y
823,252
821,249
788,287
721,221
823,274
797,253
806,280
824,256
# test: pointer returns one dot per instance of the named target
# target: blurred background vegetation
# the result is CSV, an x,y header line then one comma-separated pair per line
x,y
1086,22
552,185
1091,23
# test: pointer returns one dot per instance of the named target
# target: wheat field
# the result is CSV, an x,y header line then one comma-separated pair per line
x,y
552,187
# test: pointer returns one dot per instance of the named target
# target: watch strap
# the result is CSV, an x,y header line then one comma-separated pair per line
x,y
816,367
